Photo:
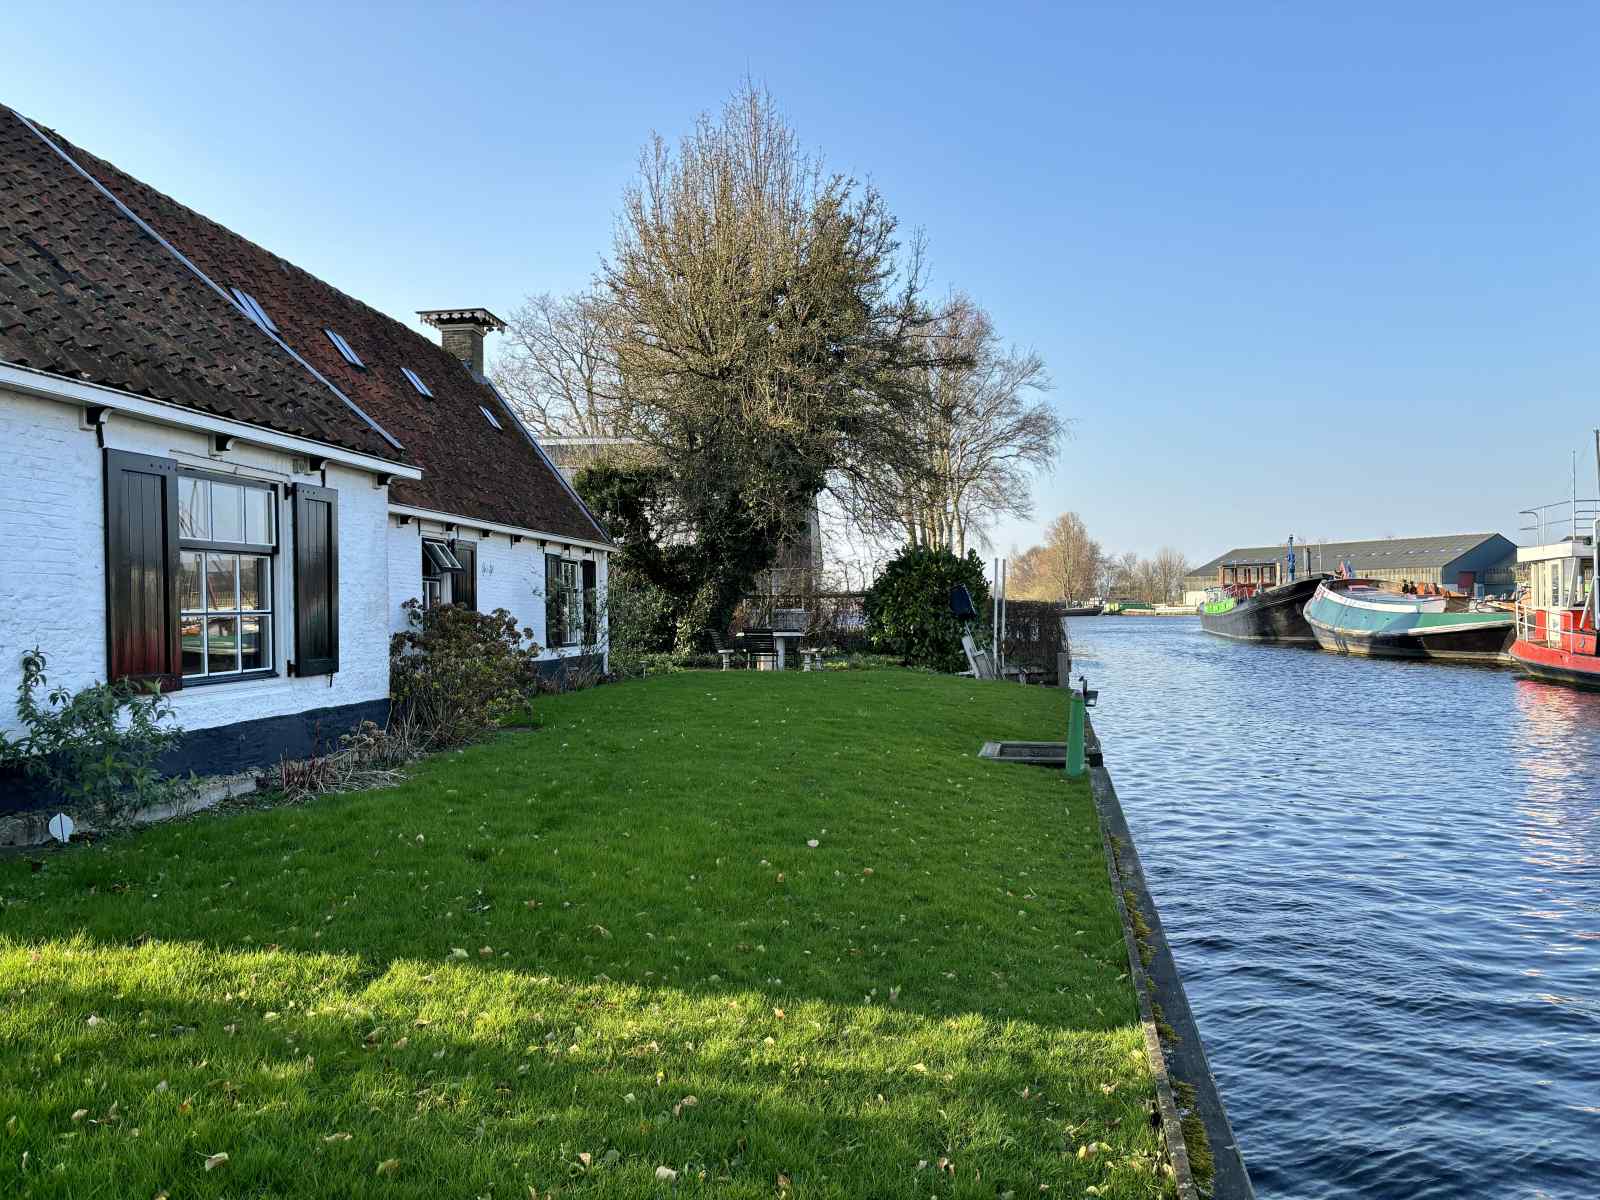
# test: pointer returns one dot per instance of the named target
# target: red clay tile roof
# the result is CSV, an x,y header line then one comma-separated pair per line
x,y
85,293
470,469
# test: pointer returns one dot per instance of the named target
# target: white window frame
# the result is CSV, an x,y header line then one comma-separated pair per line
x,y
266,609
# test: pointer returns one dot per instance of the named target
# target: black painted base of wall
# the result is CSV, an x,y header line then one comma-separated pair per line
x,y
556,670
228,749
248,745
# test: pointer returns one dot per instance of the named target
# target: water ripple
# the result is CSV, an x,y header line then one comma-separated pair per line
x,y
1381,881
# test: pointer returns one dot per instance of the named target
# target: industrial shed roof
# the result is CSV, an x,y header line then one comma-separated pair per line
x,y
1424,553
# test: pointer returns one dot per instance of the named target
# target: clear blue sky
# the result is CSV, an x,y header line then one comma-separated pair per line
x,y
1330,273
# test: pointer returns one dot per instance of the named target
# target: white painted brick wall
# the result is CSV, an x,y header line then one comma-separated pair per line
x,y
509,577
52,565
512,578
405,570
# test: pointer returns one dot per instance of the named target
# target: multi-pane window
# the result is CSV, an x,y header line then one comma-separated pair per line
x,y
563,603
438,566
228,536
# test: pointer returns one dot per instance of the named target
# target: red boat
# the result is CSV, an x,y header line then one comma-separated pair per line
x,y
1556,634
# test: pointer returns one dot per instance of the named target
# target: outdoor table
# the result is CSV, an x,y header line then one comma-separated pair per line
x,y
779,639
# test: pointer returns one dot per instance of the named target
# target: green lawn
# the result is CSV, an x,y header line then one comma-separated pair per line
x,y
585,957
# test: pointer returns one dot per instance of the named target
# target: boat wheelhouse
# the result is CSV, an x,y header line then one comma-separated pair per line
x,y
1556,622
1260,600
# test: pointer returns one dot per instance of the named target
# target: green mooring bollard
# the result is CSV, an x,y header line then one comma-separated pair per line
x,y
1074,733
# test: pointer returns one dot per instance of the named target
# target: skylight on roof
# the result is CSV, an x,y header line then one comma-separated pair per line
x,y
488,416
343,347
416,382
253,310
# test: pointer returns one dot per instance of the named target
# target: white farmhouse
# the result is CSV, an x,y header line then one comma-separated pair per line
x,y
222,474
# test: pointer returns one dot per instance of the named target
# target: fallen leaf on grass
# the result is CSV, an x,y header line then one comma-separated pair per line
x,y
457,952
485,951
93,1020
666,1174
80,1114
213,1161
686,1102
337,1137
388,1166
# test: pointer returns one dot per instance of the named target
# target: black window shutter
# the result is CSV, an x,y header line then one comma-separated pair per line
x,y
466,582
316,580
591,629
554,634
142,570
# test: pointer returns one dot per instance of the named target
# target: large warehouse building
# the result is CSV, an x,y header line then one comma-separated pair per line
x,y
1459,561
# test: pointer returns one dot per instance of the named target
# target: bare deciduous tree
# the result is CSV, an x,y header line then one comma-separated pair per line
x,y
958,446
1067,566
1157,580
558,368
1169,566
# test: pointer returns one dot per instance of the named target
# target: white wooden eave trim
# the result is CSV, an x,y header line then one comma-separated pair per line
x,y
94,395
444,518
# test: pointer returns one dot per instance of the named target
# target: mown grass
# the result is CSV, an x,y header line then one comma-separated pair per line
x,y
660,975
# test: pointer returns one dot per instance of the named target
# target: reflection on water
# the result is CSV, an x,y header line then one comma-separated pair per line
x,y
1382,885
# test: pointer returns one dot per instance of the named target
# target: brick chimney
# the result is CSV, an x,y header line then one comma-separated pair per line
x,y
461,331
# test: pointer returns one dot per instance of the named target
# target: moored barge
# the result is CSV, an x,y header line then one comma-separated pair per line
x,y
1270,614
1260,601
1355,616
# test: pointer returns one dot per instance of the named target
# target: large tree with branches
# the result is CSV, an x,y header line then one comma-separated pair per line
x,y
957,449
762,314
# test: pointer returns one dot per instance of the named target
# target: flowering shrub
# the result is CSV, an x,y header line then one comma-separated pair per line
x,y
96,749
454,674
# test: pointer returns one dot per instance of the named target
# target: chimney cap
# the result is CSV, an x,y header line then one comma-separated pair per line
x,y
480,318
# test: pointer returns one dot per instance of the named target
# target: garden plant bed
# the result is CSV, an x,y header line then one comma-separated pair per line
x,y
601,958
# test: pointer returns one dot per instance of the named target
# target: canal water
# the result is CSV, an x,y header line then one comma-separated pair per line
x,y
1381,881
